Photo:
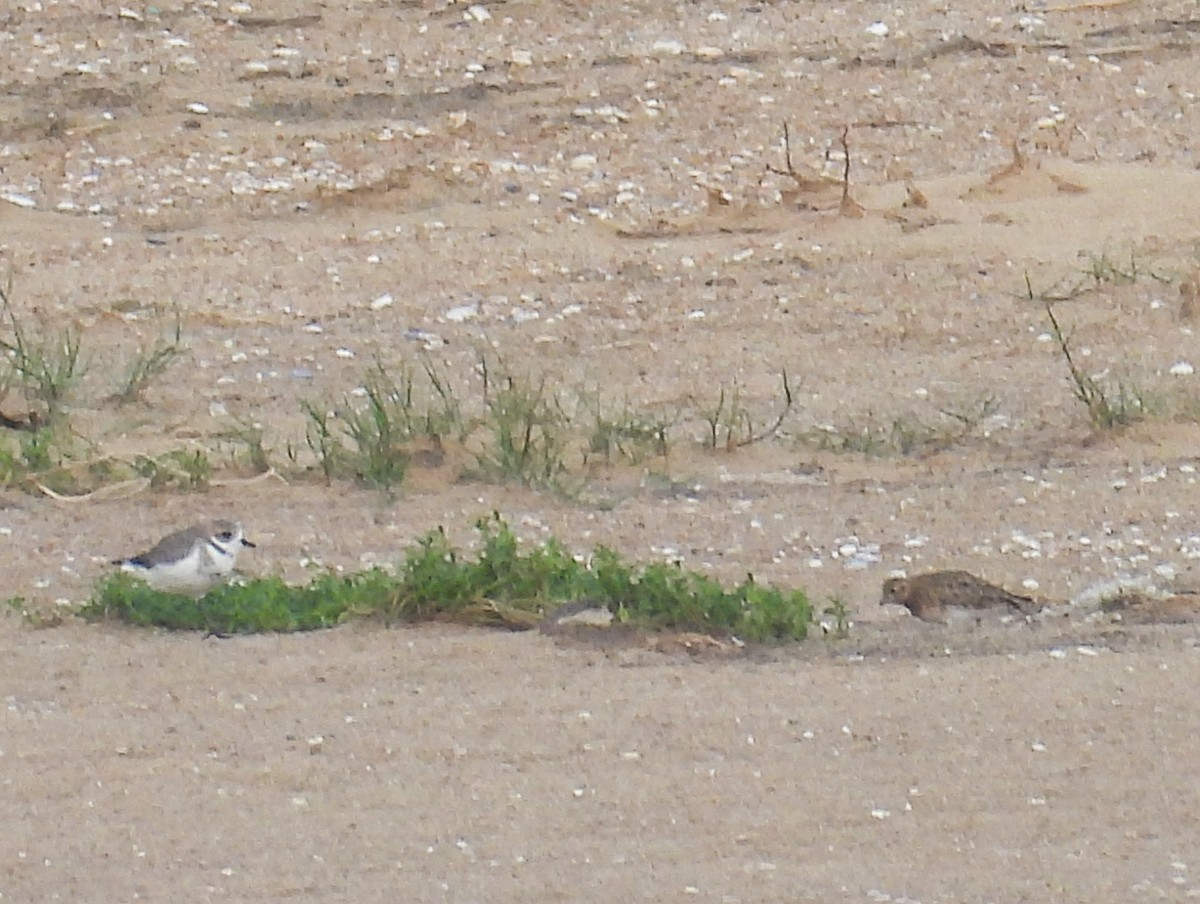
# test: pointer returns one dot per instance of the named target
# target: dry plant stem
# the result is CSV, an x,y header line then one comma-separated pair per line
x,y
123,490
788,170
1087,390
788,399
848,206
846,165
1077,376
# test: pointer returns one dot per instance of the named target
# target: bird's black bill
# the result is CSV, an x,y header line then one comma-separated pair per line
x,y
246,542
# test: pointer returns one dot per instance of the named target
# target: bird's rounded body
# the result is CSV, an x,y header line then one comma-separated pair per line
x,y
190,561
939,596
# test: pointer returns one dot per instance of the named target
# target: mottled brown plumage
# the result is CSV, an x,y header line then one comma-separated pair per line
x,y
938,595
1136,609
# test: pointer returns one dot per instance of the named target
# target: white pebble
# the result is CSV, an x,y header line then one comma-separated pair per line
x,y
383,301
583,161
461,313
198,108
1182,369
479,13
669,45
878,30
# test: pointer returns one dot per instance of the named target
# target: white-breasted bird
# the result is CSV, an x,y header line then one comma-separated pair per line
x,y
190,561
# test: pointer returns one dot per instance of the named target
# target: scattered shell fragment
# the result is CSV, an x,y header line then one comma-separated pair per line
x,y
17,198
669,46
461,313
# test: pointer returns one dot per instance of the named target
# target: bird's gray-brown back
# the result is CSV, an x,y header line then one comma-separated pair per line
x,y
177,545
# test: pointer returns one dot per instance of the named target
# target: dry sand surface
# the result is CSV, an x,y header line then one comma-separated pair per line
x,y
595,194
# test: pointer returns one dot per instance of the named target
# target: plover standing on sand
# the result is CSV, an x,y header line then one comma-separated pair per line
x,y
942,596
190,561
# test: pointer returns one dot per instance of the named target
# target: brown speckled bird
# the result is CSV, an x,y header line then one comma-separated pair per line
x,y
941,595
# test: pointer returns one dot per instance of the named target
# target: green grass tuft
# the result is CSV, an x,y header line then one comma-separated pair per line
x,y
382,430
148,364
45,364
528,431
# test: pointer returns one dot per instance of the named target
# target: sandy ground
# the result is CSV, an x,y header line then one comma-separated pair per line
x,y
594,193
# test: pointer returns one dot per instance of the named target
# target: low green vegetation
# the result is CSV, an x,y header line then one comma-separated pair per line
x,y
370,438
623,434
905,434
527,433
42,363
184,469
149,363
503,585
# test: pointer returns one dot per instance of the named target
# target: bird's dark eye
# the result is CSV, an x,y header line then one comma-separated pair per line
x,y
225,536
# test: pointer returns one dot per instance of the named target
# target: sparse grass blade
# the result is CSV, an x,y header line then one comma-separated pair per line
x,y
44,364
250,452
1108,406
527,431
372,439
380,429
148,364
187,469
625,435
322,440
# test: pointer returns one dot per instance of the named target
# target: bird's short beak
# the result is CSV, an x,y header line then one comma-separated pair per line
x,y
246,542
